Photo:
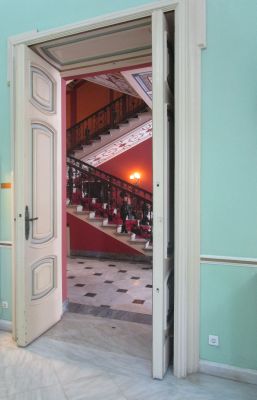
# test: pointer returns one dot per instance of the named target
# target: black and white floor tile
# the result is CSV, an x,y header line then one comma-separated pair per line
x,y
103,286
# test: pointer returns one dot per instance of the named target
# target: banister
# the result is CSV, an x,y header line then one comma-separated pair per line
x,y
113,180
102,120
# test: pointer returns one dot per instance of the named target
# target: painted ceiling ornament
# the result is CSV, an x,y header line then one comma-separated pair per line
x,y
113,81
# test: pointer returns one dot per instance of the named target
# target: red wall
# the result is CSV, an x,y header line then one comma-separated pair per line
x,y
137,159
86,99
84,237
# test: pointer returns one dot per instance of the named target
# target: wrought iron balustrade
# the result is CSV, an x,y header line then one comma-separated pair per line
x,y
85,182
104,119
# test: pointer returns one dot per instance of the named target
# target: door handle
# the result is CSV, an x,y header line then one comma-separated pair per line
x,y
27,221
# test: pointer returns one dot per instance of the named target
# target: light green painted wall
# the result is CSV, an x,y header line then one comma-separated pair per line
x,y
229,181
229,126
5,280
229,310
229,159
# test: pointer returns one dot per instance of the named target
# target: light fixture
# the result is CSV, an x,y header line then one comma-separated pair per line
x,y
135,177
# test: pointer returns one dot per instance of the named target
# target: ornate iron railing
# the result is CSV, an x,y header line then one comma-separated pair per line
x,y
85,182
104,119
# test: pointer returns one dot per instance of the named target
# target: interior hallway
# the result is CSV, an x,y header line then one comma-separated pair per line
x,y
92,358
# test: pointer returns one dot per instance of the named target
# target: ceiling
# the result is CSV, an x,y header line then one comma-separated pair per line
x,y
135,82
126,44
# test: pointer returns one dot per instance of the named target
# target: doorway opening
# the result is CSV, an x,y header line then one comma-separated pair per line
x,y
109,196
162,215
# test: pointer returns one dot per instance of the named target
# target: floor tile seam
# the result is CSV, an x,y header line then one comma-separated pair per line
x,y
32,390
94,349
118,386
104,373
57,377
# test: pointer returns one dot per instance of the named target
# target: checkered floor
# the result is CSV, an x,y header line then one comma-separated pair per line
x,y
115,285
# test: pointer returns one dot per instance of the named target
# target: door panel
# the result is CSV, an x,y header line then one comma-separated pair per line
x,y
37,196
43,278
43,177
42,90
163,194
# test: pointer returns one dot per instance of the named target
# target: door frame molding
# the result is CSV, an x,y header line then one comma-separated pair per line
x,y
190,38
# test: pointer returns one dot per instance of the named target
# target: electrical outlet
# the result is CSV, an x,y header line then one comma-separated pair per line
x,y
213,340
4,304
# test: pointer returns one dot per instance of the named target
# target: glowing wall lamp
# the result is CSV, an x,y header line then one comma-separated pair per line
x,y
135,177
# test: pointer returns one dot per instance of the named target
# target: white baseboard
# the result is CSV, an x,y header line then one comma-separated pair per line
x,y
228,372
5,325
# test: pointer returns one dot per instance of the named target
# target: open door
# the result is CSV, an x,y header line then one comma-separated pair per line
x,y
38,294
163,191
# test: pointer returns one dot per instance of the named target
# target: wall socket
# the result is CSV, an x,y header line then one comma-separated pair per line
x,y
213,340
4,304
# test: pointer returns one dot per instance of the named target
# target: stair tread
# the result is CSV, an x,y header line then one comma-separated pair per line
x,y
112,232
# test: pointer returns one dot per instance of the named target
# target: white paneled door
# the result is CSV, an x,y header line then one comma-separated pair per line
x,y
38,302
163,193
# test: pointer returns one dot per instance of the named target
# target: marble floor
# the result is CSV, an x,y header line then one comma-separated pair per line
x,y
92,358
110,285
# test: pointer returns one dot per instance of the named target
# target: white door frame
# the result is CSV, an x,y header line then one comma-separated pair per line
x,y
189,39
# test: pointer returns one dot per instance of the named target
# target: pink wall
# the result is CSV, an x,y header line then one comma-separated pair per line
x,y
84,237
137,159
85,99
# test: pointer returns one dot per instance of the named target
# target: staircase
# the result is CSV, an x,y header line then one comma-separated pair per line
x,y
106,125
96,198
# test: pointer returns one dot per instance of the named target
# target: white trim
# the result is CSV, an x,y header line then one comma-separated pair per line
x,y
189,38
229,372
236,261
5,325
101,21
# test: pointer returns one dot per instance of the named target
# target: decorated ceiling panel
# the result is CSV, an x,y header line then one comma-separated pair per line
x,y
129,42
113,81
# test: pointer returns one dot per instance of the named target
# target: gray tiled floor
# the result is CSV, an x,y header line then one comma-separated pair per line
x,y
120,285
92,358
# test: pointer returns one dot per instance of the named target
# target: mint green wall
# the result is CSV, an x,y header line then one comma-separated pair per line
x,y
5,281
229,181
229,159
18,17
229,126
229,310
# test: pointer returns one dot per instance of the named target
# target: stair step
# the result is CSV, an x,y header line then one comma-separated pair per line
x,y
110,226
149,248
82,212
105,133
138,240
